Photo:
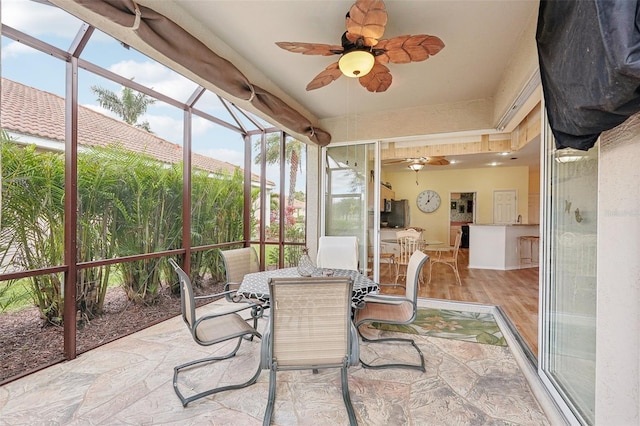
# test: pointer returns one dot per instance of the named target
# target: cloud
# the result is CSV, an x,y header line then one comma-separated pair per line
x,y
228,155
164,127
200,126
15,50
156,76
39,19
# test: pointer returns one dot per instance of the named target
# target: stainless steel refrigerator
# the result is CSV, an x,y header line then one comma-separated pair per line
x,y
398,217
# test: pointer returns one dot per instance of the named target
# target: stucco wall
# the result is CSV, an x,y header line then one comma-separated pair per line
x,y
618,292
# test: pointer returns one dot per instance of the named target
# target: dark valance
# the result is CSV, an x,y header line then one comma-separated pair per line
x,y
171,40
589,53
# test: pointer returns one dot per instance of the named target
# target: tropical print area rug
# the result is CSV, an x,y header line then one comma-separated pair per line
x,y
467,326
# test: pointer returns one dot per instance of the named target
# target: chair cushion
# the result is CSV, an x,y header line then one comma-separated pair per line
x,y
384,312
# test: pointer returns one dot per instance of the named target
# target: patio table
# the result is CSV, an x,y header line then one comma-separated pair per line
x,y
256,285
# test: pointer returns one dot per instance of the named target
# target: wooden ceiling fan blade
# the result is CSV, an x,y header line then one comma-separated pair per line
x,y
389,162
310,48
366,19
408,48
437,161
377,80
328,75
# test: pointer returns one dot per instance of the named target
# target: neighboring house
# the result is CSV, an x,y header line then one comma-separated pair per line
x,y
299,207
33,116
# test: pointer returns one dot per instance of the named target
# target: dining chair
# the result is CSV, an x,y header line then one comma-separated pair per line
x,y
394,309
209,330
409,232
310,328
408,242
447,256
238,263
337,252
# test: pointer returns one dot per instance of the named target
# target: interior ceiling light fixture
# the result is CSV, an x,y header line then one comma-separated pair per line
x,y
420,161
416,167
356,63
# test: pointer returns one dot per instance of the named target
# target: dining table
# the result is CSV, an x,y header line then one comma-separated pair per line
x,y
256,285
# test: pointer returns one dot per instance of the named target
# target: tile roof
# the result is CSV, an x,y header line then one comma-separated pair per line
x,y
30,111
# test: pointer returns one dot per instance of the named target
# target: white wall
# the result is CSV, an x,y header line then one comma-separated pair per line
x,y
481,181
618,292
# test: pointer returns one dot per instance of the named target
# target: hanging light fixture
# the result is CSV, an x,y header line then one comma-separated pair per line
x,y
416,166
356,63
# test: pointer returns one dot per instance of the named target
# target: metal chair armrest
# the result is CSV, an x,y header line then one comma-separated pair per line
x,y
219,295
239,308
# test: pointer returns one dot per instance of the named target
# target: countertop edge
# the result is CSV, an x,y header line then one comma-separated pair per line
x,y
504,224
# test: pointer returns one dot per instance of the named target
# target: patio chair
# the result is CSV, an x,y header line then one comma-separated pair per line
x,y
337,252
394,309
310,328
210,330
238,263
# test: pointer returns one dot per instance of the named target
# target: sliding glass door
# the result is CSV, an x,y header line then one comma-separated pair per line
x,y
568,343
349,195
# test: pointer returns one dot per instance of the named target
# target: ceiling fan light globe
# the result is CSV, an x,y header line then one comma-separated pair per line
x,y
416,167
356,63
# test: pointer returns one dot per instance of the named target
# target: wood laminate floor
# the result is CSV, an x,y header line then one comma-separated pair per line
x,y
516,291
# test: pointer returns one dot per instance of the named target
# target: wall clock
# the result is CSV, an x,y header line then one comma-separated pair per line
x,y
428,201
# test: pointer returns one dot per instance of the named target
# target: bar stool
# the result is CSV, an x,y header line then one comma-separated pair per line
x,y
528,250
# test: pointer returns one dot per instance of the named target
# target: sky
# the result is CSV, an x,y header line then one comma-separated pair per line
x,y
28,66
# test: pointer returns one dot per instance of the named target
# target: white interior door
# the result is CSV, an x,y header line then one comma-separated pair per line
x,y
505,206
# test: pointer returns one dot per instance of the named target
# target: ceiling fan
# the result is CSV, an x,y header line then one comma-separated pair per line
x,y
363,53
418,163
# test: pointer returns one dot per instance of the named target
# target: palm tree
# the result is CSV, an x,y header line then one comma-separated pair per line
x,y
130,106
293,150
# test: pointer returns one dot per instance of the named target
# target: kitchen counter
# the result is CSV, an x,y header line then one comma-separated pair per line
x,y
506,224
495,246
400,229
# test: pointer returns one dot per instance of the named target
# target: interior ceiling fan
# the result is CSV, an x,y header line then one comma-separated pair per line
x,y
363,53
418,163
